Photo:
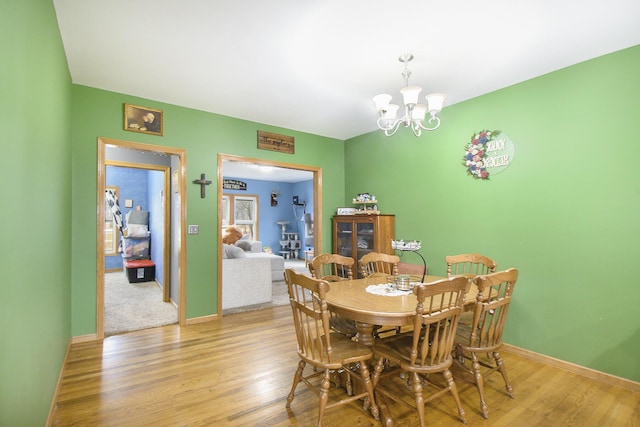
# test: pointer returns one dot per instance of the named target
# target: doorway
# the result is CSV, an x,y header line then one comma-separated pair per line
x,y
114,152
317,200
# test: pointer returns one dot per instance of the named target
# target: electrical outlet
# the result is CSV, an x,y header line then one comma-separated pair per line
x,y
193,229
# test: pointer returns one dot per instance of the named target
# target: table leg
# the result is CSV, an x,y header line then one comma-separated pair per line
x,y
365,334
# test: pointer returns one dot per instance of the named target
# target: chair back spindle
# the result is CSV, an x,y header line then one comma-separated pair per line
x,y
439,308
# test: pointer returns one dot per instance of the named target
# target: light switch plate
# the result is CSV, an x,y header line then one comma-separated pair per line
x,y
193,229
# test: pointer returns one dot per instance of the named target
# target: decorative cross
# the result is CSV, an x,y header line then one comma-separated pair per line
x,y
202,181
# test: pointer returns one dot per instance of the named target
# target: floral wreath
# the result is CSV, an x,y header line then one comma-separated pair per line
x,y
476,151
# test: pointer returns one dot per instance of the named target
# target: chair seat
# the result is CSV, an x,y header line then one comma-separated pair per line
x,y
394,349
346,351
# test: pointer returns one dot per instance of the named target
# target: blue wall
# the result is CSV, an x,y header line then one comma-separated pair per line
x,y
268,230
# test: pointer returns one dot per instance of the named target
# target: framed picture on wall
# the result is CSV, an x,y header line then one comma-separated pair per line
x,y
143,119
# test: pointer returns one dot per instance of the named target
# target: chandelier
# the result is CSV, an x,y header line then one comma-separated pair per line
x,y
414,113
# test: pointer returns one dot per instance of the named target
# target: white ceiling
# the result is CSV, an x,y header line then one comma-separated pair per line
x,y
313,66
264,173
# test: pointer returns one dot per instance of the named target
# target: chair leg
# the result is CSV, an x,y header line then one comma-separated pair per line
x,y
458,354
349,385
503,371
479,384
368,385
385,415
416,386
454,391
378,367
377,370
324,395
296,380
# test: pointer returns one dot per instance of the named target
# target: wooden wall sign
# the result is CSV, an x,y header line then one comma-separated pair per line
x,y
234,184
274,142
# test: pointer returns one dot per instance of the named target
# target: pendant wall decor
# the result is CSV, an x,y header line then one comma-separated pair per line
x,y
488,153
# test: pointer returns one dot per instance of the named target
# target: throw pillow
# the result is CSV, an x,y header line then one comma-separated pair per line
x,y
230,252
245,245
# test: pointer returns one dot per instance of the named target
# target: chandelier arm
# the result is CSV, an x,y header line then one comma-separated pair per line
x,y
415,127
432,119
389,125
390,131
385,124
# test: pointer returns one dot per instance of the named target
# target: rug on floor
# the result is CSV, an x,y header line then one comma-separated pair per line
x,y
134,306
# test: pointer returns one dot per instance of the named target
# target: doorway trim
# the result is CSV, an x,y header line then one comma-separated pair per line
x,y
180,188
317,202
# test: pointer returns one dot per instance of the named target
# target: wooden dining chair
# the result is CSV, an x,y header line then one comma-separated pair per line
x,y
484,335
331,267
376,262
426,351
326,352
470,265
335,268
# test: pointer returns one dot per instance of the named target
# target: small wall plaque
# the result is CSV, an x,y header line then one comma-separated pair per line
x,y
274,142
346,211
234,184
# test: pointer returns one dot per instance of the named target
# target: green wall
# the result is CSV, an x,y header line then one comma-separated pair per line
x,y
565,212
98,113
36,210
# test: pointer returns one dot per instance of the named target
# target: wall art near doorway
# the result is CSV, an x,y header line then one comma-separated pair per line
x,y
143,119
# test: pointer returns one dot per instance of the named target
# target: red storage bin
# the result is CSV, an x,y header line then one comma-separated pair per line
x,y
140,270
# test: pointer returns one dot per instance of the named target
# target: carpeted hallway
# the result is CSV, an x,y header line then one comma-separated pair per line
x,y
134,306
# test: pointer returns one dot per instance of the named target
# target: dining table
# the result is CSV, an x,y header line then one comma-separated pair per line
x,y
373,301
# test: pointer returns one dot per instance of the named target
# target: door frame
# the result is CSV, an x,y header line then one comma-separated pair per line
x,y
179,188
317,202
166,251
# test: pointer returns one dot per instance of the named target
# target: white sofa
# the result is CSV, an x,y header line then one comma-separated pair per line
x,y
247,276
253,249
245,281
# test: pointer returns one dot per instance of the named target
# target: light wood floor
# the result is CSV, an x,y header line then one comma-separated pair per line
x,y
237,371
